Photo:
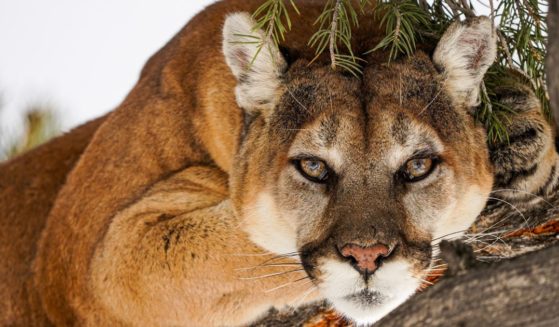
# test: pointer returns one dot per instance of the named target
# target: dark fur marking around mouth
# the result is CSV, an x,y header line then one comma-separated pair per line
x,y
310,252
366,297
307,261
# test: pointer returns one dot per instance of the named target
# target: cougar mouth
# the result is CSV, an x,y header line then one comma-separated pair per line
x,y
366,301
367,298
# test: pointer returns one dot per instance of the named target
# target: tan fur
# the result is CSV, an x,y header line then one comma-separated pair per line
x,y
215,262
183,197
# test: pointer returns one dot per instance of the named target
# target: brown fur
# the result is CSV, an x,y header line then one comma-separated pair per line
x,y
29,184
154,224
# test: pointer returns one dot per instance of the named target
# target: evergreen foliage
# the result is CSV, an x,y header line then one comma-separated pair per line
x,y
520,26
334,30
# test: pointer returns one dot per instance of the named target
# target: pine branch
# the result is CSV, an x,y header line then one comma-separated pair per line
x,y
522,36
334,33
494,115
523,43
402,20
273,18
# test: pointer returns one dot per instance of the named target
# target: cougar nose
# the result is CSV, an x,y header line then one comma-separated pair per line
x,y
368,259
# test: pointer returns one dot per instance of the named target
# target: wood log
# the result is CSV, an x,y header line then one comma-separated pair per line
x,y
523,291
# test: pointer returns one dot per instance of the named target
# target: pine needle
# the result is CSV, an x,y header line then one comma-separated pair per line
x,y
273,18
334,33
522,32
402,19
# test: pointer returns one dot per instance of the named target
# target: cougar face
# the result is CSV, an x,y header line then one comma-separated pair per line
x,y
361,177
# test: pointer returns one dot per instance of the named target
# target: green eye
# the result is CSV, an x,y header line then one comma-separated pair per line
x,y
314,170
417,169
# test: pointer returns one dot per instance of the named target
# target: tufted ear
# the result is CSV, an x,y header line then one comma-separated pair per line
x,y
258,78
465,52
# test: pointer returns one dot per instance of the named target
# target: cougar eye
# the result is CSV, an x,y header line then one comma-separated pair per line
x,y
313,169
418,168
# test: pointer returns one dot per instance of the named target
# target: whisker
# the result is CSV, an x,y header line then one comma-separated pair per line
x,y
282,256
441,265
477,237
434,275
443,236
286,284
431,102
483,233
512,206
271,275
495,224
287,254
309,291
283,264
251,254
296,100
481,238
488,245
426,281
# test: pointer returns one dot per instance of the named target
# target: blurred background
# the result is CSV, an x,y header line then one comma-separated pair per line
x,y
63,62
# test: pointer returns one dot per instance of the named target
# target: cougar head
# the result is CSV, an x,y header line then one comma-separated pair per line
x,y
360,177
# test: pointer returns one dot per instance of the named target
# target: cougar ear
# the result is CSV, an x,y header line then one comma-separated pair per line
x,y
464,53
258,78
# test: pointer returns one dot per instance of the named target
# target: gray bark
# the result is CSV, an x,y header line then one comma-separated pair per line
x,y
523,291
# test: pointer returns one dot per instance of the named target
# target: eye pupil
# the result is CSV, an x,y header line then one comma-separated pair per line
x,y
313,165
416,169
313,169
418,165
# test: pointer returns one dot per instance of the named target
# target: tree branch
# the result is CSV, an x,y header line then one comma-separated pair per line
x,y
522,292
333,31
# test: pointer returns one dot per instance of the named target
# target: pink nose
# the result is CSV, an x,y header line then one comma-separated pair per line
x,y
367,258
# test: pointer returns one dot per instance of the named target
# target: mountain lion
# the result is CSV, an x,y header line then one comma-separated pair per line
x,y
223,186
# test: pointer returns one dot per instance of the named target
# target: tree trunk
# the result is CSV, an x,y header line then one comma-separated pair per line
x,y
523,291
